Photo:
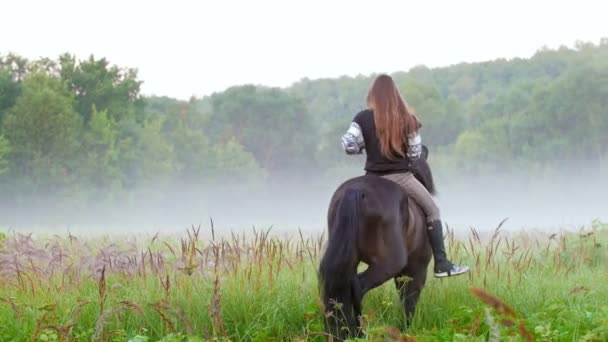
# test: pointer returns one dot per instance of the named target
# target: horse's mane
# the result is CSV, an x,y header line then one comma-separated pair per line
x,y
422,171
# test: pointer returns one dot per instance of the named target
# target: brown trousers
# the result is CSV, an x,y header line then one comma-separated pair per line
x,y
418,192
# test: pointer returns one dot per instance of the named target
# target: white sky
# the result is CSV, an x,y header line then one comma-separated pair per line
x,y
184,48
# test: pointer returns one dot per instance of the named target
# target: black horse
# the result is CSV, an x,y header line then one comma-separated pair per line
x,y
371,220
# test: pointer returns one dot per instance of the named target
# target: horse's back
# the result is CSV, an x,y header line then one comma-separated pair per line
x,y
370,184
383,198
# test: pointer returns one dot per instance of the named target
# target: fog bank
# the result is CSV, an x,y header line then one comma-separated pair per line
x,y
301,203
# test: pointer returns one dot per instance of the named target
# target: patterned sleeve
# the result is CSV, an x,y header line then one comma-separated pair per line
x,y
414,145
352,140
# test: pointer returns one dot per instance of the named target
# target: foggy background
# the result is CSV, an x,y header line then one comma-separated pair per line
x,y
301,203
175,114
523,139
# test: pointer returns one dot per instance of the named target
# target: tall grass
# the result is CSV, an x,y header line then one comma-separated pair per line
x,y
259,287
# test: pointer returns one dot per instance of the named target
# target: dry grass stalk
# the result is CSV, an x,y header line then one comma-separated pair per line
x,y
31,284
64,331
579,289
153,268
78,310
158,307
102,289
44,323
170,249
215,309
16,312
166,284
475,325
104,315
188,251
40,323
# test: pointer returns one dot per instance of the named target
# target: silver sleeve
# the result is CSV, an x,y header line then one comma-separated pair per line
x,y
414,145
352,140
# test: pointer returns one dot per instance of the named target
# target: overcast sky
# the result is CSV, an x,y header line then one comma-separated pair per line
x,y
184,48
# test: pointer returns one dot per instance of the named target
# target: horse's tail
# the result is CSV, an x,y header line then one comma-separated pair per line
x,y
338,265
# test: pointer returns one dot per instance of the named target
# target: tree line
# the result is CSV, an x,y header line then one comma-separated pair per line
x,y
82,130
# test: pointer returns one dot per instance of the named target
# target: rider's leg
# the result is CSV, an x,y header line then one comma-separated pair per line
x,y
443,266
417,191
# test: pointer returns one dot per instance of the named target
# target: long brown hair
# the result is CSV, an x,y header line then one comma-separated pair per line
x,y
393,118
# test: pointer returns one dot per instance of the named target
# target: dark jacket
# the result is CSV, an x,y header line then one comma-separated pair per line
x,y
362,136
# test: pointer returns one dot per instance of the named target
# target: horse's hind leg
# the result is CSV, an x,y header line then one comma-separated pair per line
x,y
390,260
357,298
410,289
376,274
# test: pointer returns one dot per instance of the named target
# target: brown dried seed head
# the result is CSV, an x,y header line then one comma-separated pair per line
x,y
498,304
507,322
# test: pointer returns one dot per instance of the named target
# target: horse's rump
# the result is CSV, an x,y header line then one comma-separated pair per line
x,y
370,220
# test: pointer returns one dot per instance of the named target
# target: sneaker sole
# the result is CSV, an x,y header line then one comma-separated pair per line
x,y
452,274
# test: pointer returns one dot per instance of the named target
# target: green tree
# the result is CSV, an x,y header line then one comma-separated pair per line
x,y
269,123
107,87
5,150
43,131
156,153
193,153
9,91
440,127
16,65
232,162
578,107
99,167
485,149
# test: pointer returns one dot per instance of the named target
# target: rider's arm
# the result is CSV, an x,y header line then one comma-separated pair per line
x,y
352,140
414,145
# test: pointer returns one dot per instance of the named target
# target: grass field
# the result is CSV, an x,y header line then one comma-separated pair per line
x,y
259,287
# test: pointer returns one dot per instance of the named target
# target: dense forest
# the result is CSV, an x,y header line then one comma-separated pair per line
x,y
80,130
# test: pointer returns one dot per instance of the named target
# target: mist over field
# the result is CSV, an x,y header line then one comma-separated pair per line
x,y
300,203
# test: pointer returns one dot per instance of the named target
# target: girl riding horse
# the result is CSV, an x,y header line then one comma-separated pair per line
x,y
388,131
